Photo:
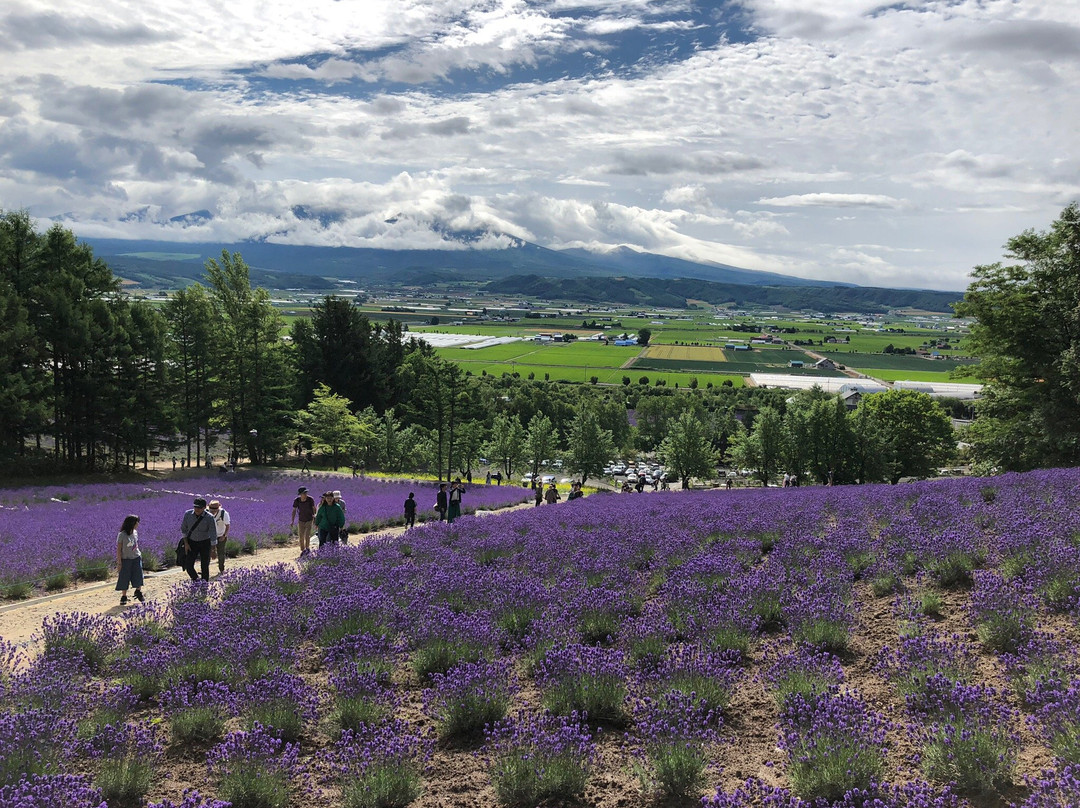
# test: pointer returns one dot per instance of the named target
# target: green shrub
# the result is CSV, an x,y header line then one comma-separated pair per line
x,y
16,590
355,712
151,561
887,583
198,725
92,570
382,785
251,544
233,548
954,569
125,782
280,717
57,581
974,756
255,788
930,603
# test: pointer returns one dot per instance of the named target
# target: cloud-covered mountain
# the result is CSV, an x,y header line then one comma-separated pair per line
x,y
422,266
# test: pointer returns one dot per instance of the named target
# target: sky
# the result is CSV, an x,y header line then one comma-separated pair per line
x,y
886,144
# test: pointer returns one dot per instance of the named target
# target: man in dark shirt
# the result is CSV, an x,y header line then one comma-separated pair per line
x,y
200,534
441,501
303,515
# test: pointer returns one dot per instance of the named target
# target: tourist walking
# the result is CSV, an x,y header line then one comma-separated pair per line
x,y
199,536
343,534
221,524
538,492
442,501
410,510
303,516
575,492
454,500
129,559
330,519
551,496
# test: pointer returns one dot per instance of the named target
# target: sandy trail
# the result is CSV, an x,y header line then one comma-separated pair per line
x,y
21,620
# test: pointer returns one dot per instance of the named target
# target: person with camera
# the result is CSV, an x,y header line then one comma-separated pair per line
x,y
199,535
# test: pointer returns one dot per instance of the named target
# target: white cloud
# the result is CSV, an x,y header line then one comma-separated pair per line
x,y
931,130
833,200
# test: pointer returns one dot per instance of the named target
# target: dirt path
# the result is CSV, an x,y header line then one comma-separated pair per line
x,y
21,620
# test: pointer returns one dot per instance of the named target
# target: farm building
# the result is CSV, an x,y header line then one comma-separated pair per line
x,y
825,364
796,363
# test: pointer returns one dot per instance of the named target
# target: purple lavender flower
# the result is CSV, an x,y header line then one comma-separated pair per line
x,y
539,757
379,766
1054,789
44,791
584,679
470,696
673,735
191,799
968,736
834,744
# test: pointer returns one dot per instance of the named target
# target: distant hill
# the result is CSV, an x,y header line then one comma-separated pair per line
x,y
678,292
144,258
626,261
619,276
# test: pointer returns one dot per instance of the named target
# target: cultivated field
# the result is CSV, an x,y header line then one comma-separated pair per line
x,y
696,353
885,646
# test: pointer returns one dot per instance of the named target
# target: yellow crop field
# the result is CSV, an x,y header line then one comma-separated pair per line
x,y
694,353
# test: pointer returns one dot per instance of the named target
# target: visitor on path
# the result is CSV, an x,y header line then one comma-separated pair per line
x,y
221,524
330,519
307,464
442,501
303,516
454,500
487,479
343,534
410,511
551,496
498,478
129,559
199,536
538,491
575,492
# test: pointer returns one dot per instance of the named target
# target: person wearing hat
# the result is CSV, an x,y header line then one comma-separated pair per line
x,y
199,535
454,500
303,516
330,519
344,533
221,524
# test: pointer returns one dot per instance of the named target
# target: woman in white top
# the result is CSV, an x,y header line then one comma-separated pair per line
x,y
129,559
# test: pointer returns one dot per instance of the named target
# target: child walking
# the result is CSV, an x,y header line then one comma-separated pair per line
x,y
129,560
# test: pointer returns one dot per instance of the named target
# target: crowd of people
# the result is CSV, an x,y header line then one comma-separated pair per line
x,y
205,528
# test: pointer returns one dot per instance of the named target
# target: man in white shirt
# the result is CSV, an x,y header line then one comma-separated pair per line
x,y
221,522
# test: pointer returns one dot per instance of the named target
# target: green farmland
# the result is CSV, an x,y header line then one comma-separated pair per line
x,y
604,375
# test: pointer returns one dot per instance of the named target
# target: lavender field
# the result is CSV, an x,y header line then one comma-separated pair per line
x,y
881,647
48,531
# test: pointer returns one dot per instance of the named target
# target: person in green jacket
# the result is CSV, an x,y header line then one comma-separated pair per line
x,y
330,519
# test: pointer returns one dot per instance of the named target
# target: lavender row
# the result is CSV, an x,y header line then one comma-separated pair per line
x,y
61,529
641,616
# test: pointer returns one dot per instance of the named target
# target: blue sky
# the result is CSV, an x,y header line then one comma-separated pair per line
x,y
894,144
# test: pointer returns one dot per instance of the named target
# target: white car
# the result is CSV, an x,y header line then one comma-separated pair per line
x,y
547,479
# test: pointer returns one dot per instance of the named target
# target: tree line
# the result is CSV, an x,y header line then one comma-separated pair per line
x,y
92,380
